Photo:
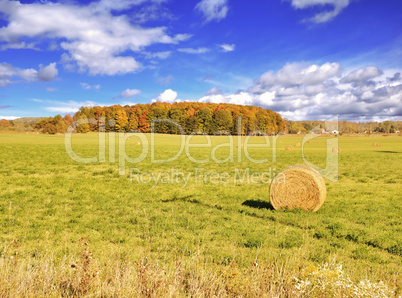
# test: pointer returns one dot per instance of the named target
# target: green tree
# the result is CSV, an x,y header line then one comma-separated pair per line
x,y
203,121
222,120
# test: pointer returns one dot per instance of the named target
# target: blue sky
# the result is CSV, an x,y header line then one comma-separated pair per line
x,y
306,59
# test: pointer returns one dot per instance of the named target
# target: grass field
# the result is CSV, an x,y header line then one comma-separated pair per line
x,y
69,228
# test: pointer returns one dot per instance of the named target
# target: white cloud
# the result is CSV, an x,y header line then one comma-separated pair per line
x,y
62,110
294,74
322,17
311,92
93,38
167,96
362,74
88,87
213,10
9,117
164,81
159,55
67,106
227,47
129,93
193,51
214,91
242,98
8,72
152,12
47,73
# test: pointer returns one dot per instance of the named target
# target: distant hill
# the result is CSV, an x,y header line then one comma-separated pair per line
x,y
27,120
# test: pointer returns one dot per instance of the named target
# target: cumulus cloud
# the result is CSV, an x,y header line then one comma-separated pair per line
x,y
362,74
295,74
9,72
92,36
213,10
129,93
47,73
241,98
311,92
168,95
193,51
325,16
227,47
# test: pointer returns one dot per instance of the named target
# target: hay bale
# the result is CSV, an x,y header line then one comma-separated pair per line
x,y
318,142
298,186
377,144
329,143
336,149
308,142
289,148
297,144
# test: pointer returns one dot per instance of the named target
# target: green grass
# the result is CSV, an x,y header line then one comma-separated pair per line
x,y
48,201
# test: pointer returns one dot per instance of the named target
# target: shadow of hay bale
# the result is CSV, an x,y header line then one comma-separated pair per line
x,y
258,204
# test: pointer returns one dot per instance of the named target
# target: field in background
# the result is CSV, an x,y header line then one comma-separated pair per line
x,y
202,238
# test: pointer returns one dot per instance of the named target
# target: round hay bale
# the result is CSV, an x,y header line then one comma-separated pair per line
x,y
289,148
298,186
318,142
297,144
137,143
308,142
336,149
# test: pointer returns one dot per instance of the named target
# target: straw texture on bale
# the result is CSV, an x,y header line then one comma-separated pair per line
x,y
298,186
336,149
289,148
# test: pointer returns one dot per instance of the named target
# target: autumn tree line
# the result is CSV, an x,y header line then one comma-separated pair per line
x,y
193,117
347,127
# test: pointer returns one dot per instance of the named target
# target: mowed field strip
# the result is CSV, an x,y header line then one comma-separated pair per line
x,y
49,201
